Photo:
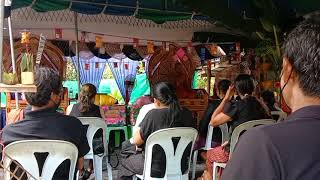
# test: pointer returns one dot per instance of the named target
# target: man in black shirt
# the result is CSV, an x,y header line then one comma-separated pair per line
x,y
223,87
288,150
44,122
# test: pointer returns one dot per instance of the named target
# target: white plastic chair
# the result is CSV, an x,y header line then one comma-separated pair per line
x,y
225,137
234,139
23,153
94,125
163,138
280,114
216,166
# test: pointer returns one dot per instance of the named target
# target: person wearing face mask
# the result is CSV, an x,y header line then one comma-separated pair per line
x,y
44,122
247,108
290,149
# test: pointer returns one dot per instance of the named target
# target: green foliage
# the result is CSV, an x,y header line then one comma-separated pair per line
x,y
10,78
270,49
26,64
71,73
203,84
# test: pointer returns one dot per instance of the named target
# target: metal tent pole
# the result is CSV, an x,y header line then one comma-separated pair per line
x,y
13,62
77,50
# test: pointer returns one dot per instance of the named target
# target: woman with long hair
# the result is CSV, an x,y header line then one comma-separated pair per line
x,y
86,107
167,114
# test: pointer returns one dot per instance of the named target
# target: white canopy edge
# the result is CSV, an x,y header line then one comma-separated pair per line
x,y
117,29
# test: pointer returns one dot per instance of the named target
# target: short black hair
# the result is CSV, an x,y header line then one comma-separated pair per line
x,y
223,85
244,84
268,96
302,48
47,81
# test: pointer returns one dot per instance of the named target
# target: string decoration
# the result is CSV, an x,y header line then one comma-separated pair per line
x,y
102,50
99,41
150,47
214,49
25,37
189,47
135,42
165,46
86,66
182,54
58,33
97,65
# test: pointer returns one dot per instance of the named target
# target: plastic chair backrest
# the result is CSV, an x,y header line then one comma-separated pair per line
x,y
244,127
224,133
95,124
23,153
163,138
281,115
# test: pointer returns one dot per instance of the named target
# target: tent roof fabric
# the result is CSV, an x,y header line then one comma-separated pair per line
x,y
158,11
113,28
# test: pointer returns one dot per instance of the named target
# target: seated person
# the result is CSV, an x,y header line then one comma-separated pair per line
x,y
44,122
288,150
236,112
143,100
269,100
167,114
147,105
86,108
142,113
223,86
